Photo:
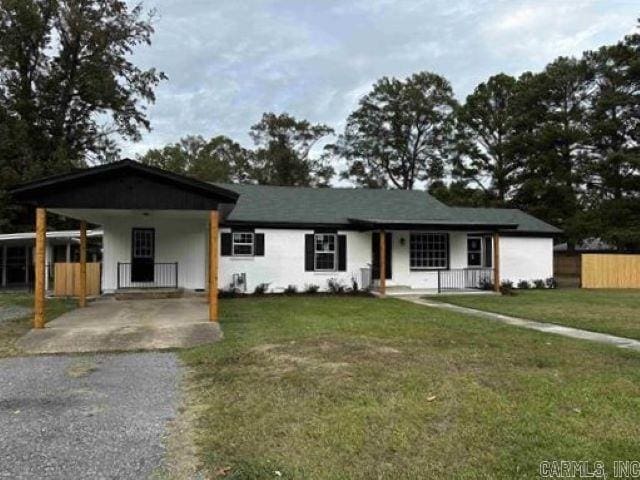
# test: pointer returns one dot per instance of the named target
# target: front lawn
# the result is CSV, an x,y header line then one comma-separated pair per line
x,y
608,311
362,388
12,330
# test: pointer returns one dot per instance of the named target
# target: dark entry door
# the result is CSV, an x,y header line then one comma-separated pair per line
x,y
375,255
142,254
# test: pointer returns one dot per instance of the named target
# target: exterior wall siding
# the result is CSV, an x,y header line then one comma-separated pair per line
x,y
176,240
185,241
283,262
526,258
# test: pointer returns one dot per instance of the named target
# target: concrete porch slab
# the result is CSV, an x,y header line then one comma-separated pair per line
x,y
108,325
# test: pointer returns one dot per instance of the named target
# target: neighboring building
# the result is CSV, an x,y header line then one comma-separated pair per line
x,y
588,245
16,255
155,227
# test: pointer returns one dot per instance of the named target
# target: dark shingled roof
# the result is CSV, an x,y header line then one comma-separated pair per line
x,y
525,222
265,204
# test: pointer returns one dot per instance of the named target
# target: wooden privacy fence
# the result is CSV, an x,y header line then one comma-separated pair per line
x,y
565,264
67,279
606,270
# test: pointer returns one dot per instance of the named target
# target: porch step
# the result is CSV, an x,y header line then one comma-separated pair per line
x,y
147,293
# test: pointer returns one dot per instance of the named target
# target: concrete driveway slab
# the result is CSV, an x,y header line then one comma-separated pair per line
x,y
126,325
99,416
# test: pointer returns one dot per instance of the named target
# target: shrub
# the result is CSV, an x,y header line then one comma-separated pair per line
x,y
551,282
261,289
539,283
523,284
291,290
229,293
335,286
311,289
486,284
354,285
506,287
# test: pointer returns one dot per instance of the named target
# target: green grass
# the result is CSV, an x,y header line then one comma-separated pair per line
x,y
12,330
608,311
359,388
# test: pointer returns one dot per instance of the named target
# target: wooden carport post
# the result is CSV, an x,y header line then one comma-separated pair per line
x,y
41,238
496,262
383,263
82,291
213,266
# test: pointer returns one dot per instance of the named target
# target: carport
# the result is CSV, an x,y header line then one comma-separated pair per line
x,y
124,189
107,324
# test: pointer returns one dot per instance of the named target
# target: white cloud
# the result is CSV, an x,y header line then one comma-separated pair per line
x,y
230,61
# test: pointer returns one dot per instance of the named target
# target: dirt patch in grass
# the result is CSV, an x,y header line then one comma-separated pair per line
x,y
312,355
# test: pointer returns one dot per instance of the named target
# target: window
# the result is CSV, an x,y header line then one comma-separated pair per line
x,y
242,244
429,251
479,251
474,251
324,252
143,242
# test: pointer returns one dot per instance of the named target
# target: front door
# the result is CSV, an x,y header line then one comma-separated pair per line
x,y
375,255
142,254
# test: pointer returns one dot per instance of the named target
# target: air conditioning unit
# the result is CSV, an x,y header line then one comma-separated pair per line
x,y
239,282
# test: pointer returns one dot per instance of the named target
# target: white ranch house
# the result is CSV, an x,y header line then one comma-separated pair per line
x,y
158,226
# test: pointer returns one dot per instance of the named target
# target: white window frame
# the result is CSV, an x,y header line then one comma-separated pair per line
x,y
234,242
324,252
444,235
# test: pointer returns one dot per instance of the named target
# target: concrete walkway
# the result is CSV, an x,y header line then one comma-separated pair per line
x,y
126,325
620,342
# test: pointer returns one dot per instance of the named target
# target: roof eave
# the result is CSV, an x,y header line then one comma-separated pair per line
x,y
24,189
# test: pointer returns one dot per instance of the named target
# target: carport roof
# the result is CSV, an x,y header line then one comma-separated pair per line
x,y
123,185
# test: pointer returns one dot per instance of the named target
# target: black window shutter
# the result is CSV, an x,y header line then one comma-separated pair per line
x,y
342,253
258,244
308,253
388,243
225,244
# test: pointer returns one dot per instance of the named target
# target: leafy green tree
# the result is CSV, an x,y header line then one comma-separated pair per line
x,y
614,128
283,152
459,194
68,87
219,159
400,133
553,141
486,130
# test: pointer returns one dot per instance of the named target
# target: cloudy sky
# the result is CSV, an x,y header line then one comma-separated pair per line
x,y
230,60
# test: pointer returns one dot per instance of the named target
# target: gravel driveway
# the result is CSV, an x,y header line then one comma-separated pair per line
x,y
100,416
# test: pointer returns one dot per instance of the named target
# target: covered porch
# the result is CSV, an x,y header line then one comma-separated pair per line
x,y
427,257
161,211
